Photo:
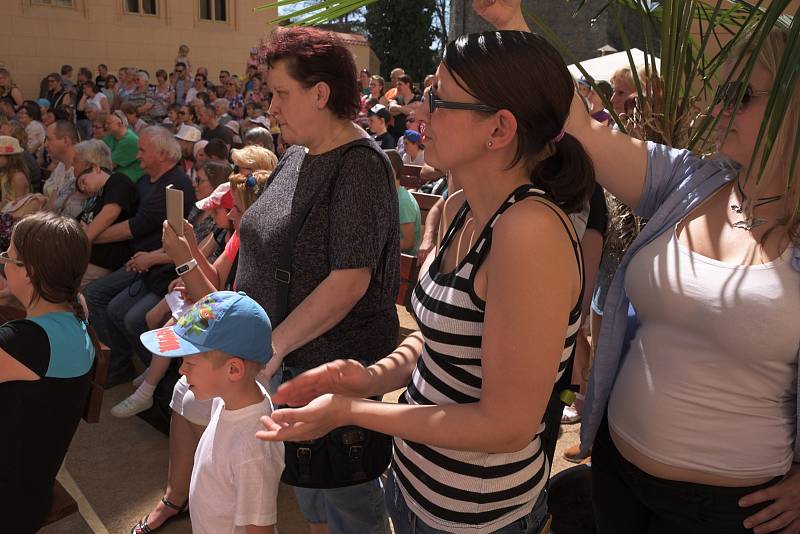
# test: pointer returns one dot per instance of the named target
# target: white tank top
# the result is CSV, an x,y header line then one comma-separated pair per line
x,y
708,383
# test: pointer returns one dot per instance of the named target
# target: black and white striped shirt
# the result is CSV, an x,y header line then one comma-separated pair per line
x,y
458,491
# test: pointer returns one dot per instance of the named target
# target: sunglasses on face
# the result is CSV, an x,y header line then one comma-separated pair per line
x,y
434,103
728,94
5,258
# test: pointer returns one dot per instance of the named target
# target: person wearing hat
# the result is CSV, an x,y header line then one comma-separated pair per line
x,y
124,144
233,126
187,137
14,181
235,477
412,143
378,119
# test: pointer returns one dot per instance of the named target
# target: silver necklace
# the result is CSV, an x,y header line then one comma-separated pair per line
x,y
746,208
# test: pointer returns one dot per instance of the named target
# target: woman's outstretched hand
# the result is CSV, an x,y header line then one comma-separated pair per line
x,y
344,377
319,417
502,14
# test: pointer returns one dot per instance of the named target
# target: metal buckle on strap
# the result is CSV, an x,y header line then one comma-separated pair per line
x,y
282,276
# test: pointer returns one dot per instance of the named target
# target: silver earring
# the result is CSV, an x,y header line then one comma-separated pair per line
x,y
489,144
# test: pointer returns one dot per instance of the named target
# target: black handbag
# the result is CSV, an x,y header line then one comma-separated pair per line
x,y
347,455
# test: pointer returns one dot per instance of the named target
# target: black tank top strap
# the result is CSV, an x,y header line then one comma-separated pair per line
x,y
483,243
458,221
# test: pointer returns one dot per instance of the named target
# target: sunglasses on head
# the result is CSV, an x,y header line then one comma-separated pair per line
x,y
434,103
728,94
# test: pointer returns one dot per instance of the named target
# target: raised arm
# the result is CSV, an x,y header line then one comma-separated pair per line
x,y
620,162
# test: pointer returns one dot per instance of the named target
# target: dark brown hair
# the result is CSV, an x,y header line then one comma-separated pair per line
x,y
522,73
217,171
55,252
315,56
396,161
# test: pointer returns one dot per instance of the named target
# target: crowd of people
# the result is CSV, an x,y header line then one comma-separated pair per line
x,y
294,223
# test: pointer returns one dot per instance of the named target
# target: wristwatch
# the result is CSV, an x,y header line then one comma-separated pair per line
x,y
186,267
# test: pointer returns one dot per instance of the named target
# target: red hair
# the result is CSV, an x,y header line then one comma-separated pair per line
x,y
315,56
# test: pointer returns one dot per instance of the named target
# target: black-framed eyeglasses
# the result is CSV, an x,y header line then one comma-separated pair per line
x,y
727,94
5,258
434,103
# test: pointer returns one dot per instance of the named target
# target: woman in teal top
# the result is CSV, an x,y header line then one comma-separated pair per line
x,y
45,364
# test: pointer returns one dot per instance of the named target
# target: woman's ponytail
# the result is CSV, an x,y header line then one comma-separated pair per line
x,y
567,175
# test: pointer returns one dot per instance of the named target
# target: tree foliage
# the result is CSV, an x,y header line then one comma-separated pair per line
x,y
401,33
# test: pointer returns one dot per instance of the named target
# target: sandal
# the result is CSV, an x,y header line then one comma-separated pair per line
x,y
143,528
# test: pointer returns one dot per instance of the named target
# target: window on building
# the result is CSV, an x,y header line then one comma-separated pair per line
x,y
62,3
214,10
143,7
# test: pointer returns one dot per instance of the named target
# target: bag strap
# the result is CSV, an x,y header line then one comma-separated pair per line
x,y
283,272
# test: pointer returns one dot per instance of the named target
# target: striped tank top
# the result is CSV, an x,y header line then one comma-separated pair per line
x,y
458,491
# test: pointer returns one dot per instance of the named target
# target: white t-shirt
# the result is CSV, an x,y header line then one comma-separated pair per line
x,y
419,160
235,476
97,99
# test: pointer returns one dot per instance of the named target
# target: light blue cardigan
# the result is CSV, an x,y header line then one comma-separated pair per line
x,y
677,182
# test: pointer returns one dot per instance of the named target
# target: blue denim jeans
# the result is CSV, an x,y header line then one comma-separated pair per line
x,y
353,509
358,508
405,522
117,305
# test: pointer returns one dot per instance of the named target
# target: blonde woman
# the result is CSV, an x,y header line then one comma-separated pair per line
x,y
250,158
14,180
624,90
8,89
692,403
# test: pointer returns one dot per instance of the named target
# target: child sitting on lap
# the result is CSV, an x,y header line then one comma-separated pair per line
x,y
234,486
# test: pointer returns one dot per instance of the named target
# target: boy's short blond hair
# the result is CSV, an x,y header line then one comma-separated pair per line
x,y
219,358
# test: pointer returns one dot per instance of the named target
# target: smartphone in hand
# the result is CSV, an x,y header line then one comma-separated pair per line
x,y
175,209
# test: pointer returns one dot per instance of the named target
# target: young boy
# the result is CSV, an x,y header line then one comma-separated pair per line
x,y
225,340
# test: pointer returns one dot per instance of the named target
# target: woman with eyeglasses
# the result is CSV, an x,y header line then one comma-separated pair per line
x,y
498,306
58,97
45,364
692,405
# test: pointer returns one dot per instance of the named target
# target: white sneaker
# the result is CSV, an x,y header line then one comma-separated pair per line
x,y
139,379
131,406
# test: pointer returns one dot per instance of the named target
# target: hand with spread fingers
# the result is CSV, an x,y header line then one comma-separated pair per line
x,y
343,377
783,514
312,421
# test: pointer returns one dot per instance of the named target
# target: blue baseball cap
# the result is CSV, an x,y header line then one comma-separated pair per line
x,y
43,102
411,135
226,321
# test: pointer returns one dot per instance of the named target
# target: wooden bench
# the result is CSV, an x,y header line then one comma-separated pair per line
x,y
426,202
411,179
63,503
409,272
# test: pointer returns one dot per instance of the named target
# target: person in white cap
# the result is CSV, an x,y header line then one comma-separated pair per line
x,y
187,136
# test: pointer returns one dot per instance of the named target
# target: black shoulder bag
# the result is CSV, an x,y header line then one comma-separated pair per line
x,y
347,455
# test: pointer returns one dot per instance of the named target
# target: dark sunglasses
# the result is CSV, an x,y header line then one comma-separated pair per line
x,y
728,93
434,103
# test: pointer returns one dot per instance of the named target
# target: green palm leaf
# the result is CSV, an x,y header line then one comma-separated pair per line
x,y
675,104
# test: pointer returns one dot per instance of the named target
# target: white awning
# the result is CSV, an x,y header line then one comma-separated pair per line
x,y
603,67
